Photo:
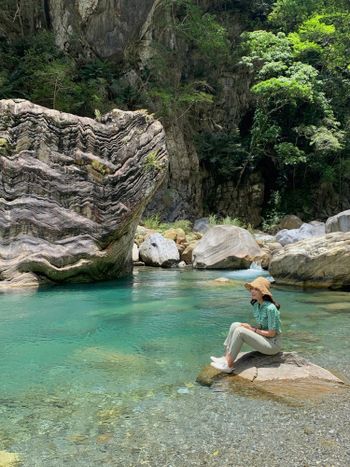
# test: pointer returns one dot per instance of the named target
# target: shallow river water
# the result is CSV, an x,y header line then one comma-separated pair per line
x,y
105,374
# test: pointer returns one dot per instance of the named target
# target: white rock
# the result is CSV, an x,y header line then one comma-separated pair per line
x,y
159,251
339,223
135,253
226,247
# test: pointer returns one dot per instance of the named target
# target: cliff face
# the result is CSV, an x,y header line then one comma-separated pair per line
x,y
72,191
112,29
104,28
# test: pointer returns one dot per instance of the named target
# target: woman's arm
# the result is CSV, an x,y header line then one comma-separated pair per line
x,y
269,333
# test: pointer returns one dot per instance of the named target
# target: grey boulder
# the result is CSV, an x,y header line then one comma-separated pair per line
x,y
201,225
287,236
159,251
339,222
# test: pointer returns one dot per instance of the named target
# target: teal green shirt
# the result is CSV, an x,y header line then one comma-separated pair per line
x,y
267,316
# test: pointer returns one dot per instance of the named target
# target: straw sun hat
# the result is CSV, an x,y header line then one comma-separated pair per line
x,y
260,283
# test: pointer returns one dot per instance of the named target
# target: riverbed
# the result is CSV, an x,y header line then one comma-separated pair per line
x,y
105,374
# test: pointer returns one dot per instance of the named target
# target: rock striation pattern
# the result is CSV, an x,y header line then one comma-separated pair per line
x,y
72,191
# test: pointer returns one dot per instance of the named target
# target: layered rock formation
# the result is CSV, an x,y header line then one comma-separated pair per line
x,y
72,191
316,262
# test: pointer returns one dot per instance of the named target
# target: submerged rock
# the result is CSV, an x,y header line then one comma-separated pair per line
x,y
72,191
9,459
316,262
285,374
226,247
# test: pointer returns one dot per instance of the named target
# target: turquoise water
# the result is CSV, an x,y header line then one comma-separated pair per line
x,y
82,367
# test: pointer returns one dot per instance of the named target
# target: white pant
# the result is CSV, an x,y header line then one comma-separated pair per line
x,y
238,335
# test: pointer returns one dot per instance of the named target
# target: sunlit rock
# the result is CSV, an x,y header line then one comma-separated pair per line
x,y
187,253
284,375
339,223
72,191
226,247
159,251
135,253
9,459
315,262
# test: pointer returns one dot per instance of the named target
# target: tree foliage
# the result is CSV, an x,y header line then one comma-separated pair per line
x,y
300,74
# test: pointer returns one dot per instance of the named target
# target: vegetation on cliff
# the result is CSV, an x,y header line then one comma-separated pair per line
x,y
293,53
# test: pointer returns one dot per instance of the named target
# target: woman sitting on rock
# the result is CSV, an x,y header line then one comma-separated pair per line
x,y
265,337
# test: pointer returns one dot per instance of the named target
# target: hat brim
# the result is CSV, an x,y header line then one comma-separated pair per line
x,y
263,290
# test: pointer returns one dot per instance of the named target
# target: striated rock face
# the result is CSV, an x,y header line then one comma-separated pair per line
x,y
72,191
316,262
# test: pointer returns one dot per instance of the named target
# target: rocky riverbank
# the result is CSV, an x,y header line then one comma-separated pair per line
x,y
311,254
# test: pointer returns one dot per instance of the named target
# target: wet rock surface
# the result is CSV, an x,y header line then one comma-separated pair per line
x,y
72,191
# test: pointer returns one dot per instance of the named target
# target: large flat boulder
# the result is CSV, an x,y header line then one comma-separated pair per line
x,y
339,222
316,262
285,374
72,191
226,247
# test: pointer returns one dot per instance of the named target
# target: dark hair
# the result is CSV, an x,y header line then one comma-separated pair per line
x,y
267,298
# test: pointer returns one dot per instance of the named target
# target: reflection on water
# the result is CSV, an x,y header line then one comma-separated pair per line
x,y
80,364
